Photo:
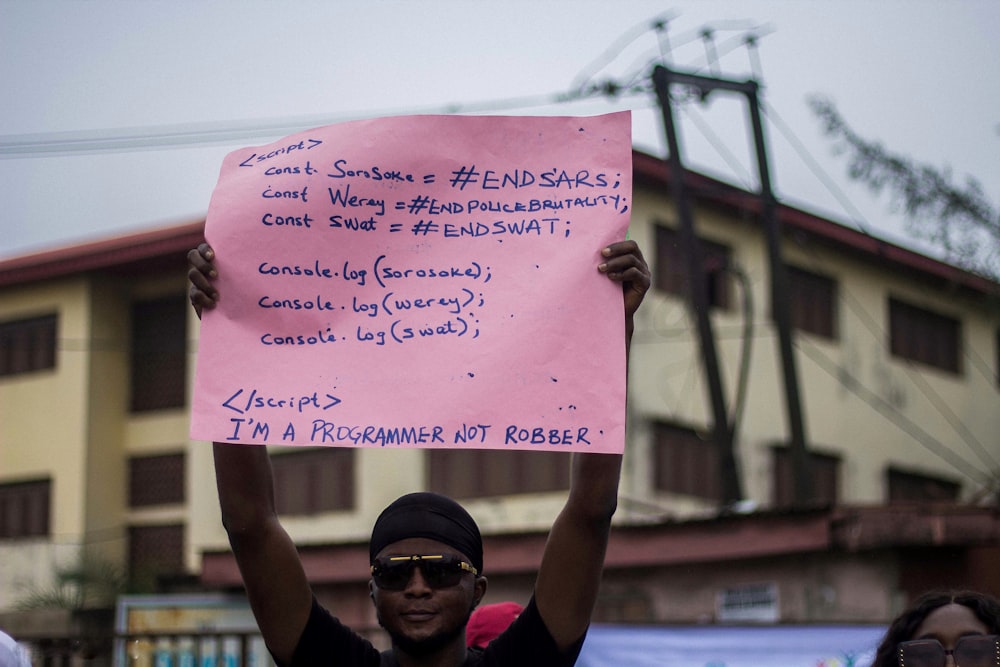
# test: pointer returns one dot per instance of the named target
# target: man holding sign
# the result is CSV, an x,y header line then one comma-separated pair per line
x,y
425,551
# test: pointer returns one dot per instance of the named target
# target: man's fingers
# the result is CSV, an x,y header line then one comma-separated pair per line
x,y
201,259
620,257
201,272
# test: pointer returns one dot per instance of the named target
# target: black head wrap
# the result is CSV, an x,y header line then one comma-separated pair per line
x,y
429,515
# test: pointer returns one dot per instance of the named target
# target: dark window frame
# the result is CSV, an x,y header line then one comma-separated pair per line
x,y
924,336
825,471
28,345
314,480
906,486
670,274
686,462
812,302
158,359
155,550
156,480
26,509
488,473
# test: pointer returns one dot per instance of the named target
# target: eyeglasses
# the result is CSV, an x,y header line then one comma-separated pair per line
x,y
393,573
970,651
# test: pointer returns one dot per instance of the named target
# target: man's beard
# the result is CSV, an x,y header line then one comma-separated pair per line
x,y
419,648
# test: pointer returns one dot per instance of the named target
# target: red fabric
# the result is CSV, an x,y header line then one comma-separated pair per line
x,y
489,621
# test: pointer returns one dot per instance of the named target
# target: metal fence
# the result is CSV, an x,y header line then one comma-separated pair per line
x,y
214,648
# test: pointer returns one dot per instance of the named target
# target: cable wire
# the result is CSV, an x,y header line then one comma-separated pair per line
x,y
857,217
113,140
887,410
915,376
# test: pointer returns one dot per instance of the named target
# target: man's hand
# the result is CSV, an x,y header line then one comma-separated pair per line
x,y
623,263
201,273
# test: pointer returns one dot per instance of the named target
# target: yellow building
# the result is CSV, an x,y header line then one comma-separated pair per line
x,y
897,359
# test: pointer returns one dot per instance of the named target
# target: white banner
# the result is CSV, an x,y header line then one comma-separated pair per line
x,y
722,646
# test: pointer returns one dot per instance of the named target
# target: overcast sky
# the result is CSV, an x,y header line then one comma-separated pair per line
x,y
919,76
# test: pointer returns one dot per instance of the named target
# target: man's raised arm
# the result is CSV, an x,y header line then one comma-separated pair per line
x,y
275,581
570,572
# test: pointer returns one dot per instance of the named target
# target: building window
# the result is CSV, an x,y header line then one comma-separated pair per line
x,y
671,271
27,345
686,463
632,605
156,480
903,487
154,551
24,509
812,302
314,480
825,471
924,336
483,473
159,354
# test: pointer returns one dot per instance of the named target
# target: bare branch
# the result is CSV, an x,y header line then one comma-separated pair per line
x,y
957,218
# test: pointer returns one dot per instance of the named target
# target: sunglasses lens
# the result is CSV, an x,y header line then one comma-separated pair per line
x,y
441,574
976,651
971,651
921,653
437,572
393,576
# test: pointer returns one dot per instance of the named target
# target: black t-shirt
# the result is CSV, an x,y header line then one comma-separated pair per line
x,y
326,642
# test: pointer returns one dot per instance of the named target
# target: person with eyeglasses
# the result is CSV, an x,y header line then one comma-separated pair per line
x,y
425,553
944,629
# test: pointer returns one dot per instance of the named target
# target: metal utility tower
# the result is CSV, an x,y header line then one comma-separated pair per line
x,y
663,79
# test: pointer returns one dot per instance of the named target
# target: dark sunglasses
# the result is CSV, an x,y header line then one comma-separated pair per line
x,y
392,573
970,651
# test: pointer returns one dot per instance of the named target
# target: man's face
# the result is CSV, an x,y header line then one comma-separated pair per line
x,y
422,618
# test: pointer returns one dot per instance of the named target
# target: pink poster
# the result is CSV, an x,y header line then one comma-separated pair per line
x,y
420,281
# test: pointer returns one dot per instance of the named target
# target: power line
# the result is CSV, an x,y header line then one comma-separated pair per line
x,y
116,140
940,449
868,322
158,137
939,404
873,399
855,214
915,377
727,155
615,49
887,410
